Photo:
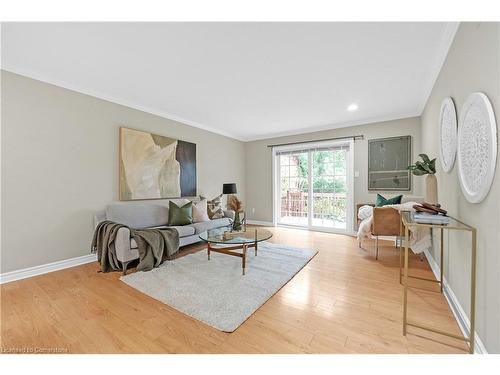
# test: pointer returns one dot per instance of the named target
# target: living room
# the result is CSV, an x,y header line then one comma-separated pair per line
x,y
241,188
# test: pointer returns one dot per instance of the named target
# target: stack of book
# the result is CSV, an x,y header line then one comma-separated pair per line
x,y
427,218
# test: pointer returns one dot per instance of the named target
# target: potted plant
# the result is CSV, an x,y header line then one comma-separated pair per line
x,y
427,167
237,206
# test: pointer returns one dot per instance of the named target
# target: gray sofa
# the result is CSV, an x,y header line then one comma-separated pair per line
x,y
150,214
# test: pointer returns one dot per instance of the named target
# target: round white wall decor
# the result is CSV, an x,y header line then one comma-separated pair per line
x,y
477,147
448,134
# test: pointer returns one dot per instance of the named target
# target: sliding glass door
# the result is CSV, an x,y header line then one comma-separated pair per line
x,y
314,186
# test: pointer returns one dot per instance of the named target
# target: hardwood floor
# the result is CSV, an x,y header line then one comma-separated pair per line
x,y
343,301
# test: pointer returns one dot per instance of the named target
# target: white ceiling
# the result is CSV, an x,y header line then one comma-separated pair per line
x,y
244,80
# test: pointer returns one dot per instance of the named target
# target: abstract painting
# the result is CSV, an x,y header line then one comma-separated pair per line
x,y
155,167
388,160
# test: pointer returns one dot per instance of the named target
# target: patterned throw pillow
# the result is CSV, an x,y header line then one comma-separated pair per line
x,y
214,207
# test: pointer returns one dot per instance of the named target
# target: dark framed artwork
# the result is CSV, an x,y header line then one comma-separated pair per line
x,y
155,167
388,159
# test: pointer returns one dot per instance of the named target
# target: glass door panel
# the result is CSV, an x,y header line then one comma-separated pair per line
x,y
329,201
294,177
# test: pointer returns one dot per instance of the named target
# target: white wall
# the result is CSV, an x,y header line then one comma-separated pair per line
x,y
259,190
472,64
60,164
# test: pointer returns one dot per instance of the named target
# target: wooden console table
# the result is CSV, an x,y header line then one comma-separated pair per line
x,y
408,223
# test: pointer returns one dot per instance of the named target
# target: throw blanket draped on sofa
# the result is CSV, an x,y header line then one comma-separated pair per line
x,y
154,246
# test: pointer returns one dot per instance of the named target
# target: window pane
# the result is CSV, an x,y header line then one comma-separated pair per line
x,y
340,185
284,159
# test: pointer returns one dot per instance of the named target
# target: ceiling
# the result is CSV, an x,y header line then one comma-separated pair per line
x,y
244,80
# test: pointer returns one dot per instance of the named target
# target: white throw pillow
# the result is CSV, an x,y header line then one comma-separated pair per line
x,y
200,211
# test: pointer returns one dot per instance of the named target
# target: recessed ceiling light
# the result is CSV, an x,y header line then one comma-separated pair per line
x,y
352,107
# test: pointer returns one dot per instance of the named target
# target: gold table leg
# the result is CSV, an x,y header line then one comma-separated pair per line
x,y
441,266
405,293
472,333
471,337
400,249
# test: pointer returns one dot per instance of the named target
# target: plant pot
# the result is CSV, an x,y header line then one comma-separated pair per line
x,y
431,192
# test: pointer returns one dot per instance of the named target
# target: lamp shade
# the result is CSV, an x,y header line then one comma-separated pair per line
x,y
228,188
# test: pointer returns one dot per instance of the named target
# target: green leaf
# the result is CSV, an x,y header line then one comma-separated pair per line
x,y
425,158
418,172
432,165
427,168
420,166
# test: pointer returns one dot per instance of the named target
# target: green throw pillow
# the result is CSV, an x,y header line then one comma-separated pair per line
x,y
180,215
382,201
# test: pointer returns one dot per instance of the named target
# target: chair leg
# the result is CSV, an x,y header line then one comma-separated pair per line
x,y
376,254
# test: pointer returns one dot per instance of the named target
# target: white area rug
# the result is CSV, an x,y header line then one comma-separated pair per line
x,y
215,292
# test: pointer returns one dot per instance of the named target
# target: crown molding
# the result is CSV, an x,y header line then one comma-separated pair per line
x,y
338,125
446,41
120,101
445,44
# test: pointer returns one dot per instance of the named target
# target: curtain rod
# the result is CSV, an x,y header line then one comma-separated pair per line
x,y
353,137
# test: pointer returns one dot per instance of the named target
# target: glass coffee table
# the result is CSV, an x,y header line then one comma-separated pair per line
x,y
234,241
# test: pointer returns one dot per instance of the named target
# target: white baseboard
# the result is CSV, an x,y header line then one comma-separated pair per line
x,y
258,222
456,307
8,277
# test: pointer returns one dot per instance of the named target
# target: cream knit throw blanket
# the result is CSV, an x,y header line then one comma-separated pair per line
x,y
420,239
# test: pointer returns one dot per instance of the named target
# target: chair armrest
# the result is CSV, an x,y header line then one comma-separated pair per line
x,y
386,221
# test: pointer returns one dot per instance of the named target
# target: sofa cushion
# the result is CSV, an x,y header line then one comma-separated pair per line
x,y
137,215
206,225
184,231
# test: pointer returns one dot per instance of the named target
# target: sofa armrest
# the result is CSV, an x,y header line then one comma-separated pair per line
x,y
386,221
122,245
99,216
229,214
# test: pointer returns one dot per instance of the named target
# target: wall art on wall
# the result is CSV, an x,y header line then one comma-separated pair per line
x,y
477,147
155,167
388,161
447,134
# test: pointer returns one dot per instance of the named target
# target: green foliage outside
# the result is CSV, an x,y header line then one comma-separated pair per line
x,y
324,165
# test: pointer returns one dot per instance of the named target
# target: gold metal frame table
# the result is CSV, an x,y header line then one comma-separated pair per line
x,y
234,241
407,222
